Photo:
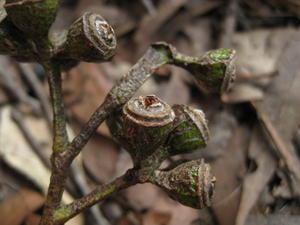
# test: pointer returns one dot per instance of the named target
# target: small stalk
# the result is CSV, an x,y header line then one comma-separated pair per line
x,y
59,123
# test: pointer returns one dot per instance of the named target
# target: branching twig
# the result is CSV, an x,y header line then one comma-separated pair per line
x,y
60,143
76,174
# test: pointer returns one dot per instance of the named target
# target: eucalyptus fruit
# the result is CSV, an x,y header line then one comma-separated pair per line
x,y
190,183
90,38
223,67
213,72
190,130
142,126
33,17
216,71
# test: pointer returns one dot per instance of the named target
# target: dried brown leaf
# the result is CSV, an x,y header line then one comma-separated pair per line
x,y
155,218
100,157
85,88
279,112
150,24
259,50
175,91
15,209
33,219
277,219
222,127
137,198
281,108
255,182
228,171
179,214
17,153
242,93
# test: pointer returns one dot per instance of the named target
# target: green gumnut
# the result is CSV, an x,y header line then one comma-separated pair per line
x,y
213,72
33,17
190,130
142,126
190,183
217,72
90,39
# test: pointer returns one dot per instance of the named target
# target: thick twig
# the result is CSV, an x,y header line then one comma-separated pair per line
x,y
59,121
66,212
60,143
76,174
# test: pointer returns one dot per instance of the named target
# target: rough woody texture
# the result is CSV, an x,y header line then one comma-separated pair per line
x,y
190,183
60,167
90,38
142,126
190,130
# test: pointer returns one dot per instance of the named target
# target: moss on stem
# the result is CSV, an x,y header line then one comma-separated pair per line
x,y
214,71
59,123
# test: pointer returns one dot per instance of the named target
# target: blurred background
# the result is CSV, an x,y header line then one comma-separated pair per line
x,y
255,136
